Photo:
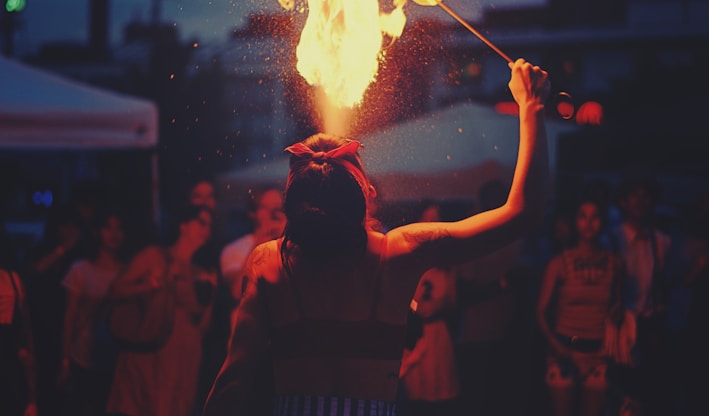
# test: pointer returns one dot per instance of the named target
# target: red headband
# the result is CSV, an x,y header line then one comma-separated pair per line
x,y
337,156
301,150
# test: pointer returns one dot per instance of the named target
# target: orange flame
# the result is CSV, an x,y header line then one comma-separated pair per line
x,y
339,50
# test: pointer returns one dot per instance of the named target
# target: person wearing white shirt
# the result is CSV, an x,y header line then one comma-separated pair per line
x,y
266,213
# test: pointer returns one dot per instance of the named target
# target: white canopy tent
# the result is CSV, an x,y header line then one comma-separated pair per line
x,y
44,117
41,110
447,154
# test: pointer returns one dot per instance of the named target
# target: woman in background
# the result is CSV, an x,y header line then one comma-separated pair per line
x,y
580,291
88,353
163,382
18,373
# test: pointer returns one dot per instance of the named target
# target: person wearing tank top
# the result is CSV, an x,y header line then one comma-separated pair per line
x,y
330,298
579,293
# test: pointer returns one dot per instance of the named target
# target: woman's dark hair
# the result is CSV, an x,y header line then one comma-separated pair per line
x,y
187,213
325,205
98,222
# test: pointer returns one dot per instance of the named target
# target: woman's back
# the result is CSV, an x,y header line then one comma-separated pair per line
x,y
333,327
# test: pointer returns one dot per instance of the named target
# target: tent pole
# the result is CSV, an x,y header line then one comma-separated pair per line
x,y
155,186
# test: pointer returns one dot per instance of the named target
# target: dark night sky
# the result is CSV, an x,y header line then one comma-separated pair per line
x,y
205,20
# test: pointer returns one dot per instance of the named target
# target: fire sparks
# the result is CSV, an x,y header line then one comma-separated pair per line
x,y
341,43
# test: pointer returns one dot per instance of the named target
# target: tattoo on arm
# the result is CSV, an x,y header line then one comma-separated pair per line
x,y
422,237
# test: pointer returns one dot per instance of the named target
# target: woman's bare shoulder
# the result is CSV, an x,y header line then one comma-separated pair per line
x,y
264,261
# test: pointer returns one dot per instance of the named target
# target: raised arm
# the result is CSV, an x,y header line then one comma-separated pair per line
x,y
445,244
249,339
143,273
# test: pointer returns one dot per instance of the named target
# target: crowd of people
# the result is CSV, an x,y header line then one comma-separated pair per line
x,y
320,309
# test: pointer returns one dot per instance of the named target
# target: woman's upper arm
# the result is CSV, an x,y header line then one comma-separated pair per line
x,y
140,266
443,244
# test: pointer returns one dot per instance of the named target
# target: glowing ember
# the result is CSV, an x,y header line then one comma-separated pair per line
x,y
340,45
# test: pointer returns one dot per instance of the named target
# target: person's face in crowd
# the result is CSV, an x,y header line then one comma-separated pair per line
x,y
112,234
202,194
638,205
269,215
588,221
199,229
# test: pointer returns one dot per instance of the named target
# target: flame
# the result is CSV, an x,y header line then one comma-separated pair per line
x,y
340,48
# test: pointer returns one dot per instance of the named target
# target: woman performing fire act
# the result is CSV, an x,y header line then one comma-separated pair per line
x,y
330,298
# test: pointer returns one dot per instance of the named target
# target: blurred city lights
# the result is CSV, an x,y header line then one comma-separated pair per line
x,y
15,5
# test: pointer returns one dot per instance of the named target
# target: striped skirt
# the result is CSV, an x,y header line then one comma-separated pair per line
x,y
297,405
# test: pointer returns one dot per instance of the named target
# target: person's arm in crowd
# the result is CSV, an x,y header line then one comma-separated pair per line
x,y
143,274
546,293
46,261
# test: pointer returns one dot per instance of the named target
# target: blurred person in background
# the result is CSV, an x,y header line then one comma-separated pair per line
x,y
88,352
202,192
18,370
163,382
579,293
265,210
646,287
47,264
428,366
